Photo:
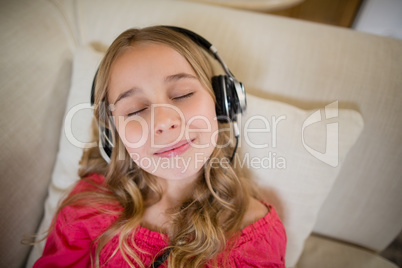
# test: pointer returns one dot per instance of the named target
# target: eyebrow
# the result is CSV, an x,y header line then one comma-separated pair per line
x,y
168,79
175,77
125,94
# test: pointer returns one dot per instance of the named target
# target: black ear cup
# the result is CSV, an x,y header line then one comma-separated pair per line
x,y
226,98
232,98
106,137
217,85
105,143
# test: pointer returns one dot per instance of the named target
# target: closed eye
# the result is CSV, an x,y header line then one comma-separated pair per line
x,y
184,96
175,98
137,112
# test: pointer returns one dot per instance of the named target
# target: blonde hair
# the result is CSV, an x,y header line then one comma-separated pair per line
x,y
205,223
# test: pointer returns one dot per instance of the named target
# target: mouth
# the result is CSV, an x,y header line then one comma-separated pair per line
x,y
176,149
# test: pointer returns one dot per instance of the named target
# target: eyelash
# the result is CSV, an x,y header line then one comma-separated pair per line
x,y
176,98
137,112
184,96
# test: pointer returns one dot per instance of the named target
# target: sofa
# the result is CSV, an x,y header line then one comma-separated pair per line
x,y
327,98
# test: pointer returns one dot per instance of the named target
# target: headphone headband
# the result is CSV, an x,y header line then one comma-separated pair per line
x,y
204,43
198,39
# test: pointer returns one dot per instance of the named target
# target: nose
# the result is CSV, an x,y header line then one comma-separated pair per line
x,y
166,119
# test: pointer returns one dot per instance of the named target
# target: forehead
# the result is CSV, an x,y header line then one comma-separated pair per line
x,y
145,63
145,55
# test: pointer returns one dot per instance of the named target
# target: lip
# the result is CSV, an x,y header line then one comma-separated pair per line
x,y
176,149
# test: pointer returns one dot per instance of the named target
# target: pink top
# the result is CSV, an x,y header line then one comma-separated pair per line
x,y
261,244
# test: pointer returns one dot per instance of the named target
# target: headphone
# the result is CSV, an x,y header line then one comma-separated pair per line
x,y
229,93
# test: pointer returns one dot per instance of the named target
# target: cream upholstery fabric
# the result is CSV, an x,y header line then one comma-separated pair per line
x,y
289,171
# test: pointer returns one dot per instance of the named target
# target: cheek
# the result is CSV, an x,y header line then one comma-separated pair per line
x,y
200,115
133,133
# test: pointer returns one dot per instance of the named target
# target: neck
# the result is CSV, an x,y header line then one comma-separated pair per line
x,y
174,192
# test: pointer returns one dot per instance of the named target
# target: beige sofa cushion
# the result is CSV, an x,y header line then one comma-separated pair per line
x,y
295,156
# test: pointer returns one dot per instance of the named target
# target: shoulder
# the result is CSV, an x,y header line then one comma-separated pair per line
x,y
264,240
262,218
76,226
255,211
84,208
92,182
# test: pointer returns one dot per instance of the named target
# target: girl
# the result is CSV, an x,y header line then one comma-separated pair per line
x,y
169,194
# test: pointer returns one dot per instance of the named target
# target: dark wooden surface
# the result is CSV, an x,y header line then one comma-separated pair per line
x,y
333,12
